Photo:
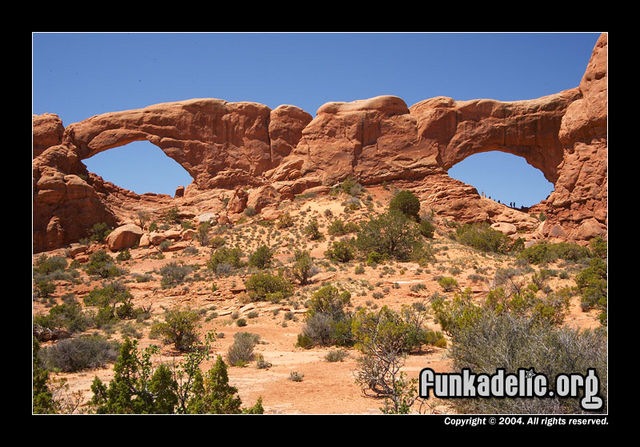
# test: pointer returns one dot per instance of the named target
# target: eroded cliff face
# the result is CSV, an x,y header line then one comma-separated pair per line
x,y
275,154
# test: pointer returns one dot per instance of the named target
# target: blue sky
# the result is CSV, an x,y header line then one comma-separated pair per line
x,y
78,75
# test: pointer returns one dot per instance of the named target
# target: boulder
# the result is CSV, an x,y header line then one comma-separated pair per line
x,y
125,236
504,227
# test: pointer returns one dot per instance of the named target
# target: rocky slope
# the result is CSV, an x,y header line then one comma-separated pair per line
x,y
245,154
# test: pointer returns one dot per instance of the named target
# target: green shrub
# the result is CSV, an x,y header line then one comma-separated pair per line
x,y
113,302
123,255
407,203
99,232
374,258
390,234
76,354
598,247
426,229
241,351
447,283
174,274
45,288
179,327
261,258
225,255
172,215
329,300
102,265
202,234
349,186
285,221
327,323
302,267
336,355
384,338
592,286
545,252
265,286
45,266
312,231
341,251
68,316
482,237
504,340
217,242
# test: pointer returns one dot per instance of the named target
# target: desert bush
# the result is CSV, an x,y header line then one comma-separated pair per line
x,y
45,288
327,322
43,401
123,255
140,388
225,255
341,251
261,363
241,351
202,234
348,186
102,264
390,234
68,315
265,286
172,215
179,327
250,211
384,338
174,274
312,230
592,286
598,247
99,232
426,229
544,252
76,354
317,331
295,376
447,283
261,258
482,237
407,203
503,340
339,228
303,267
285,221
336,355
45,265
113,302
217,242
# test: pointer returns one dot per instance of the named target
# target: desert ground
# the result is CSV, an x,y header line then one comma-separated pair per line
x,y
326,387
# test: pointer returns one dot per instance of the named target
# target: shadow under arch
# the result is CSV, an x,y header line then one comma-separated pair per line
x,y
139,166
504,177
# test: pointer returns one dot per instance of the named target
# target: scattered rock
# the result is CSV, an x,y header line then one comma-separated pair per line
x,y
123,237
504,227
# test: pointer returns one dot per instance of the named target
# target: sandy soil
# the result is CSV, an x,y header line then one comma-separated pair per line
x,y
327,387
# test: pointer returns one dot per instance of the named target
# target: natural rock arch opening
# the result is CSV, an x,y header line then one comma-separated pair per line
x,y
139,166
505,178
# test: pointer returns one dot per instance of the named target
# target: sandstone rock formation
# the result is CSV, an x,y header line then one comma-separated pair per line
x,y
125,236
244,154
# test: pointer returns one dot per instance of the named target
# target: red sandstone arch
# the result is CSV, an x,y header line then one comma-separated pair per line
x,y
224,145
